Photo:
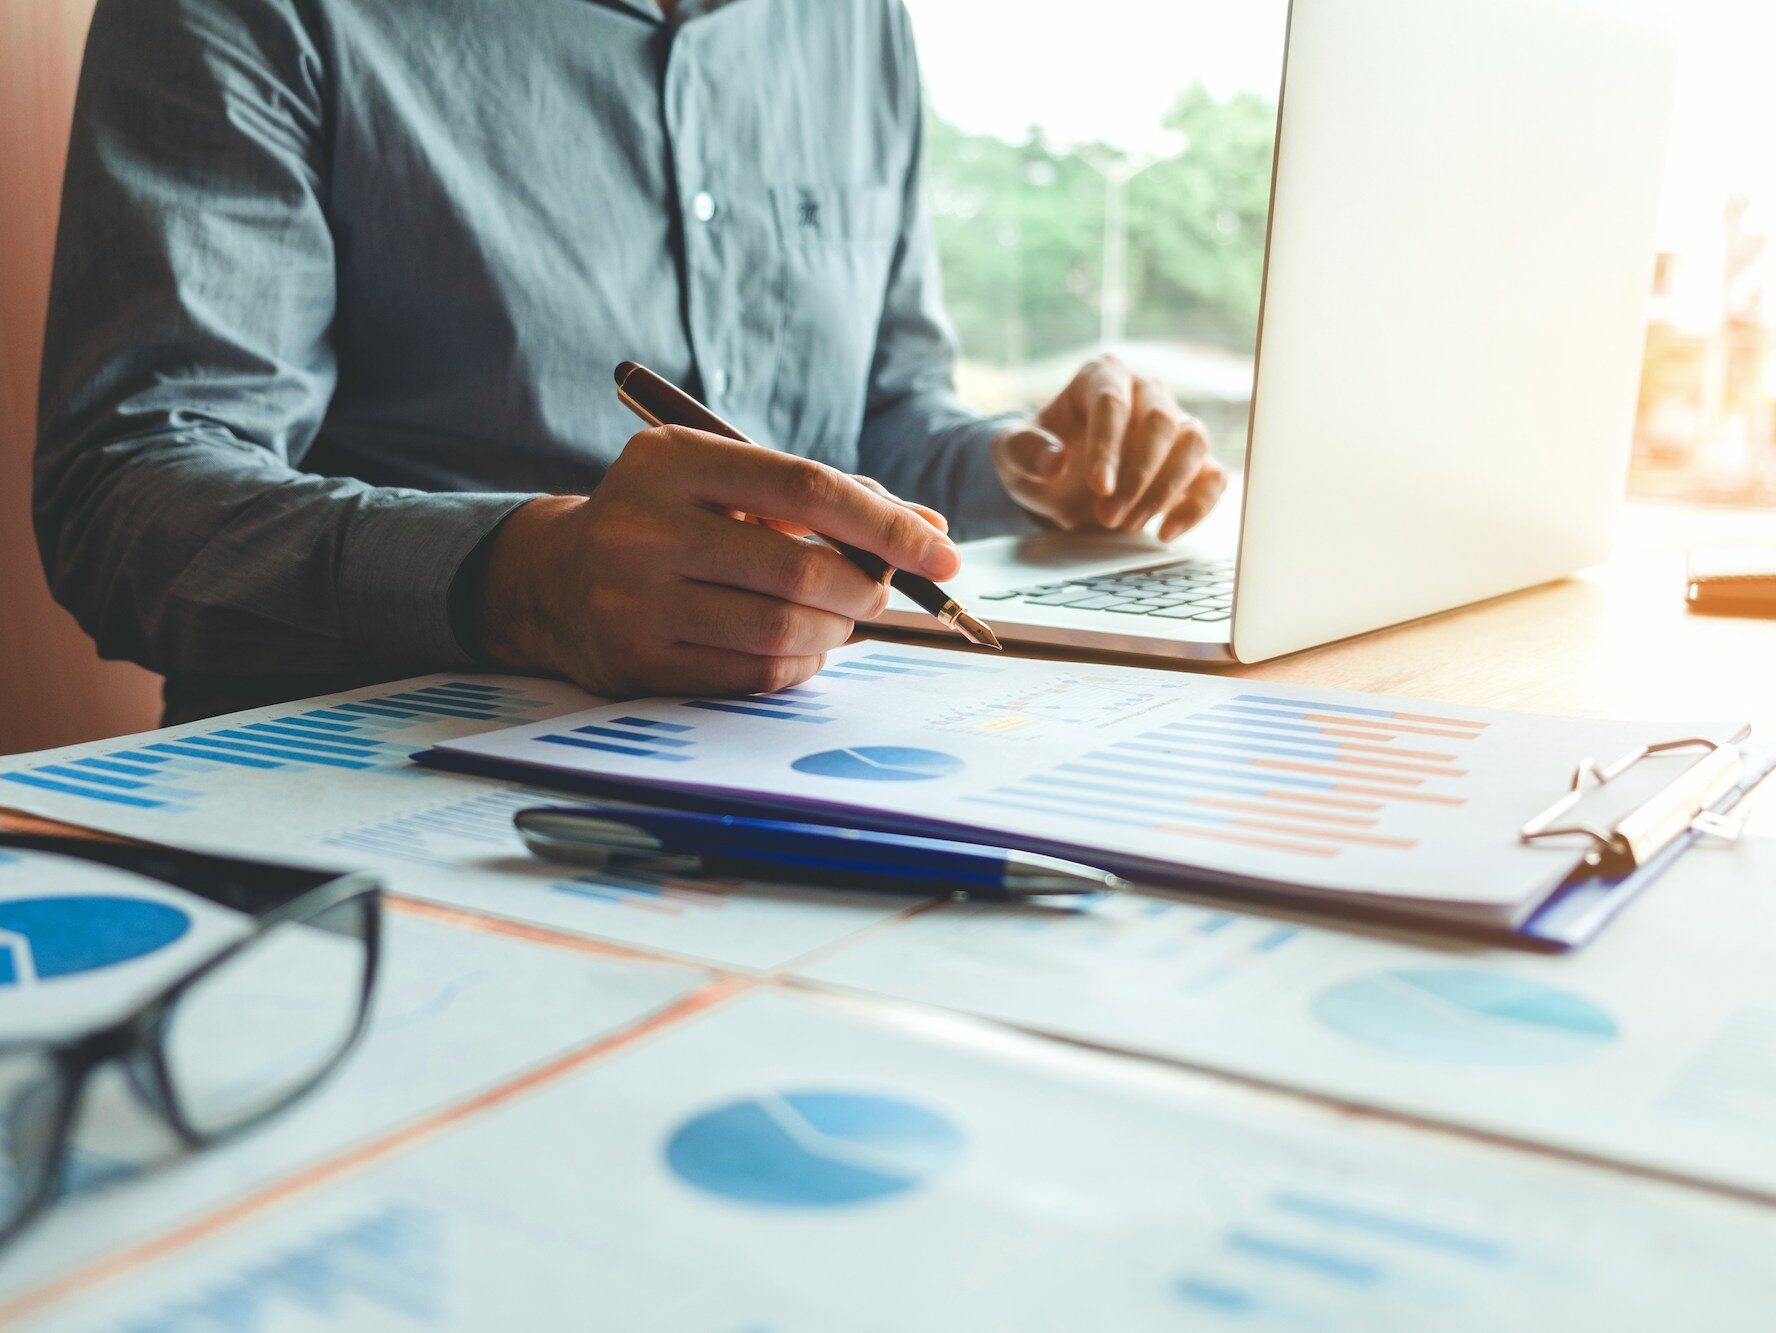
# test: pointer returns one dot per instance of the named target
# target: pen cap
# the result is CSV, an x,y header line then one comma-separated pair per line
x,y
663,402
576,838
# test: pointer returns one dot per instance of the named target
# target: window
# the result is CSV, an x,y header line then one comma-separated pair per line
x,y
1115,195
1122,205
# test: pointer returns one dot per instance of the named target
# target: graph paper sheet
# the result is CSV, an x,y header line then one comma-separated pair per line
x,y
1156,773
787,1164
459,1009
1655,1045
328,783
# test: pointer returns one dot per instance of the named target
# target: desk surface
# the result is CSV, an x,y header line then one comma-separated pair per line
x,y
1615,641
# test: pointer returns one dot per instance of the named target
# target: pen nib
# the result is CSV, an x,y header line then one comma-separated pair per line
x,y
977,632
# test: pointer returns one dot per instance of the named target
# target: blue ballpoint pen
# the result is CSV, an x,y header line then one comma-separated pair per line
x,y
797,853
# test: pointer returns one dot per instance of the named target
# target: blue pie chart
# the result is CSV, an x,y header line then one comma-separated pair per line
x,y
1466,1016
45,938
812,1148
880,763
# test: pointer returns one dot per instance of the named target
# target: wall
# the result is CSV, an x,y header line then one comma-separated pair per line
x,y
53,688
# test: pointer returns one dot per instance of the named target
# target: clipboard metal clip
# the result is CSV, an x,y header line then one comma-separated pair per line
x,y
1683,806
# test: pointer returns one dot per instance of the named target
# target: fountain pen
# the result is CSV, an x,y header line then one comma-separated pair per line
x,y
659,402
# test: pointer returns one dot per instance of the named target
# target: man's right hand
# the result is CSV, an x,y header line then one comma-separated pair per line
x,y
651,585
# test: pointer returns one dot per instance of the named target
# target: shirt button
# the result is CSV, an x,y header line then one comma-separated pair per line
x,y
703,206
718,381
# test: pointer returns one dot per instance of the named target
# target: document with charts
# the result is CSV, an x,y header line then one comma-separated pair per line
x,y
328,783
1654,1046
1160,774
784,1163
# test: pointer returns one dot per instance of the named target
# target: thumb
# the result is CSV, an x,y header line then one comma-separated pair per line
x,y
1028,453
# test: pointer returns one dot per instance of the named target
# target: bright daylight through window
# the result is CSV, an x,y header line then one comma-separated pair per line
x,y
1099,176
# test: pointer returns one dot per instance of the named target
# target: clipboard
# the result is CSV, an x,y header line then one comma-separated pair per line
x,y
1627,857
1299,803
1604,884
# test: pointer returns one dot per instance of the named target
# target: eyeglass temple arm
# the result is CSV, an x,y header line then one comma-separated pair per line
x,y
246,886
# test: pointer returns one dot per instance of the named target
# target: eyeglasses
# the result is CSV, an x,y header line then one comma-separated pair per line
x,y
197,1052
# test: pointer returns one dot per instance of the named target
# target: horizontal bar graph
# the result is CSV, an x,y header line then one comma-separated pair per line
x,y
757,708
385,1269
1369,1221
646,891
666,733
1306,779
1395,724
887,666
1163,947
638,737
445,836
1315,1259
362,734
1290,1249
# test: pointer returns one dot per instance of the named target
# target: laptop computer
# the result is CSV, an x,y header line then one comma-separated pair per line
x,y
1460,255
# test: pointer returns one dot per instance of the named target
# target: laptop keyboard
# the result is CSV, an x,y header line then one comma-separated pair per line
x,y
1184,590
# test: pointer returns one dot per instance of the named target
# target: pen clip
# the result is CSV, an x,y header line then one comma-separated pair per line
x,y
574,837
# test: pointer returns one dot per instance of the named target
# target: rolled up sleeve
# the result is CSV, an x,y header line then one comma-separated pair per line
x,y
188,371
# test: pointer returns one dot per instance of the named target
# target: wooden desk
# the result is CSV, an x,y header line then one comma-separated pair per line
x,y
1614,642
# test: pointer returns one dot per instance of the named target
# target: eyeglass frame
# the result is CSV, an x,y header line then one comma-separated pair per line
x,y
142,1032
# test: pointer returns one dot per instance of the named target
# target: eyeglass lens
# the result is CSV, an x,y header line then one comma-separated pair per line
x,y
30,1102
257,1030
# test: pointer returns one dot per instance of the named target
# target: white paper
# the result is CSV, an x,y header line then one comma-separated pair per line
x,y
457,1010
786,1165
281,795
83,944
1318,790
1656,1044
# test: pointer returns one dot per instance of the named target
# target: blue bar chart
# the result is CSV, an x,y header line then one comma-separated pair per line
x,y
445,836
1266,771
1172,952
638,737
891,666
386,1266
665,733
172,774
798,705
1294,1249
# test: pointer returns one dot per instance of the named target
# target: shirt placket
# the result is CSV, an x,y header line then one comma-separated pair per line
x,y
732,254
700,210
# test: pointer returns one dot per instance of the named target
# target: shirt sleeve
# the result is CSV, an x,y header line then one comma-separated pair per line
x,y
188,369
918,439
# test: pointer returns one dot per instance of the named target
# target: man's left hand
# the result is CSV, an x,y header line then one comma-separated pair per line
x,y
1113,452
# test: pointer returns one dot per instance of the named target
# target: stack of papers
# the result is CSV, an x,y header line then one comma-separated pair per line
x,y
327,782
787,1163
1319,795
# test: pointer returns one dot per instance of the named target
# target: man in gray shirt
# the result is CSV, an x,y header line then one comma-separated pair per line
x,y
339,285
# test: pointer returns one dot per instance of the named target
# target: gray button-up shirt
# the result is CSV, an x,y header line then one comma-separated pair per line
x,y
340,283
